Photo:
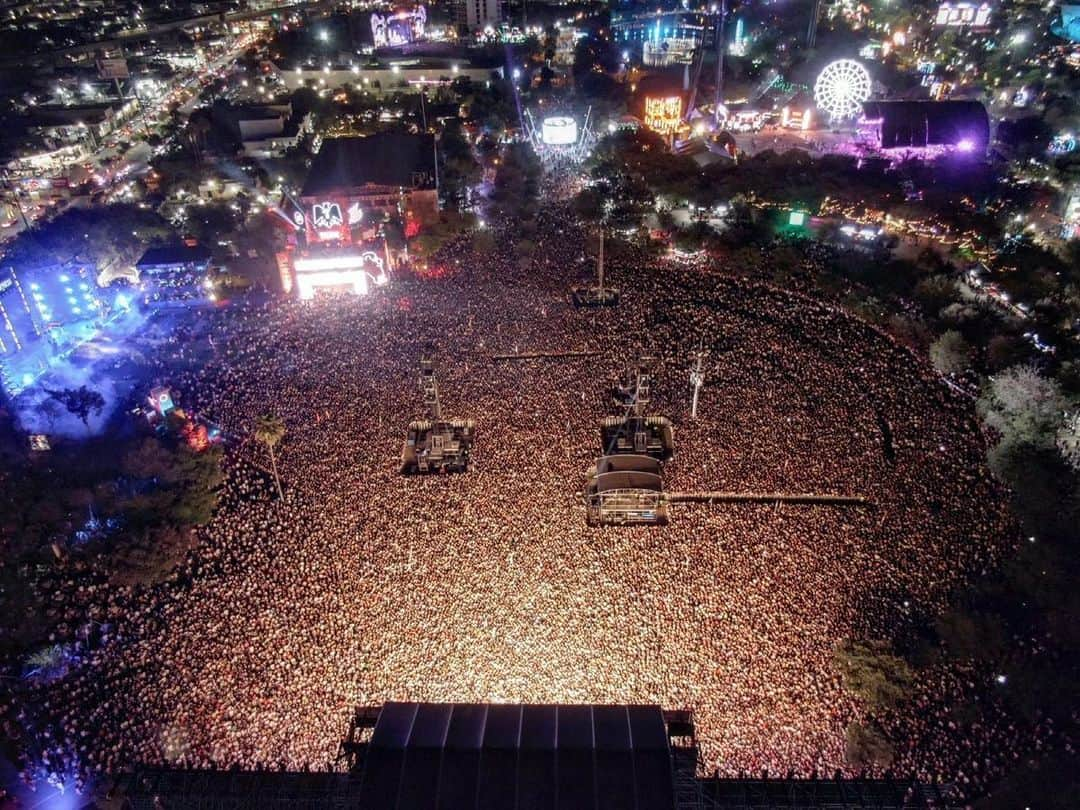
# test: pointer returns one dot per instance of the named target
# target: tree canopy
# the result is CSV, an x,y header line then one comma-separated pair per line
x,y
101,236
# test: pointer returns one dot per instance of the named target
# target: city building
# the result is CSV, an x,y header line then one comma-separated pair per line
x,y
566,45
61,125
475,14
354,181
678,30
265,130
409,75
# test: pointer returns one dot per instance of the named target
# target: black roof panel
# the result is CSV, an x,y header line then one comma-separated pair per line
x,y
383,159
436,756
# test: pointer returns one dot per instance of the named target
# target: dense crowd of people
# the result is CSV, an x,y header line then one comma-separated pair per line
x,y
364,585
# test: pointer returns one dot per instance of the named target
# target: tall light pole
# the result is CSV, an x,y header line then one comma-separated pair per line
x,y
720,36
811,29
697,379
600,265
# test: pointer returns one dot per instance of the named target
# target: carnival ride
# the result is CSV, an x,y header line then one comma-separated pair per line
x,y
841,88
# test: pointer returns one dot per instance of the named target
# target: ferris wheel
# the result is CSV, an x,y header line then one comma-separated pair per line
x,y
841,88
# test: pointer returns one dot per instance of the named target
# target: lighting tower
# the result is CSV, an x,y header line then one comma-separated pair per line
x,y
596,295
718,39
600,266
811,29
697,379
720,35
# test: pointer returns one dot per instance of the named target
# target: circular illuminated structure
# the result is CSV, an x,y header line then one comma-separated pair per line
x,y
559,130
841,88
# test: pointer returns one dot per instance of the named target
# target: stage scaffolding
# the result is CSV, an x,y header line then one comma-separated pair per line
x,y
675,742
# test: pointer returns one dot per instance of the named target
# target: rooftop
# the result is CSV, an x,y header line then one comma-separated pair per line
x,y
385,159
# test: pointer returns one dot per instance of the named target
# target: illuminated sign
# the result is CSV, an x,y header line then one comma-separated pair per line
x,y
161,400
1062,144
326,215
559,131
663,115
355,213
957,14
795,119
746,121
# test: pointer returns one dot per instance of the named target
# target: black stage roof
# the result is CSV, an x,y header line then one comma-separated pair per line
x,y
467,756
384,159
930,123
518,757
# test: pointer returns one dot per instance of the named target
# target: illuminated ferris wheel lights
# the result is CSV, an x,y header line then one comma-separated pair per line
x,y
841,88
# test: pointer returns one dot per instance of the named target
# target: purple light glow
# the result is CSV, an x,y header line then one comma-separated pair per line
x,y
966,145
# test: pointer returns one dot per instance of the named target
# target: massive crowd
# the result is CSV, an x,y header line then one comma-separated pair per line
x,y
363,585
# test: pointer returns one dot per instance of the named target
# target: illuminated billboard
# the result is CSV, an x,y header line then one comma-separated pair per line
x,y
957,14
399,28
1062,144
353,273
559,130
664,114
795,118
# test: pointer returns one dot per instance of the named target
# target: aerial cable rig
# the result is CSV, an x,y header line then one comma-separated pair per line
x,y
625,486
435,444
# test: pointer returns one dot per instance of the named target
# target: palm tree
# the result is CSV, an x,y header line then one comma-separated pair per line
x,y
270,431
